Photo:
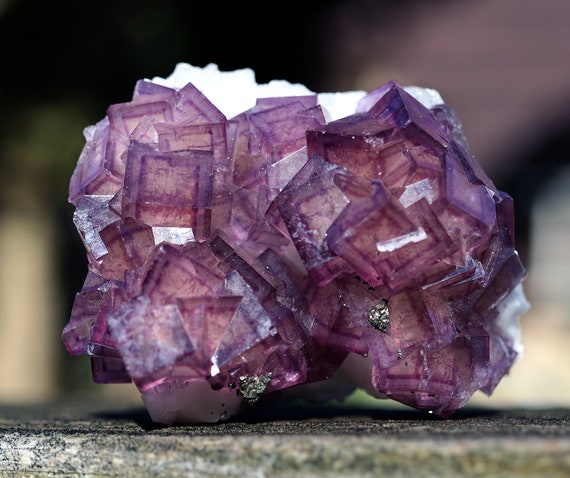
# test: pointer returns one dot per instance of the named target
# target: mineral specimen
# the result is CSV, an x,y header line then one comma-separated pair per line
x,y
244,239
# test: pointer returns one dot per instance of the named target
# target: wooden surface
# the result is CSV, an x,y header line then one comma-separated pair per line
x,y
95,440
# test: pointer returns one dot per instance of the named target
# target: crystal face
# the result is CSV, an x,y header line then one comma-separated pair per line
x,y
231,258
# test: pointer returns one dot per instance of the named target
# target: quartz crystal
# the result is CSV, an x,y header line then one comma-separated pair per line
x,y
247,239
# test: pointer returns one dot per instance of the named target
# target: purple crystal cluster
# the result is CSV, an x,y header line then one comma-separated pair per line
x,y
231,258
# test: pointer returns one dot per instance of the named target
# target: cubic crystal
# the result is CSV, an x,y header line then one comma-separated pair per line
x,y
235,257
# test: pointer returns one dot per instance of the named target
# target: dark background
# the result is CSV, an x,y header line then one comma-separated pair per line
x,y
64,62
501,64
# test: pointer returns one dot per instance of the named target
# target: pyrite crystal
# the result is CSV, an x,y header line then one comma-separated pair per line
x,y
233,254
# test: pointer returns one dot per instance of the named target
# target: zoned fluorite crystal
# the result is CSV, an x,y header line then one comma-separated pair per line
x,y
232,256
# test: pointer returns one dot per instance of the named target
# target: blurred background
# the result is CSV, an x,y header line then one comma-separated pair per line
x,y
502,65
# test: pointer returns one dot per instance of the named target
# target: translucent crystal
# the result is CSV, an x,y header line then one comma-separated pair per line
x,y
232,256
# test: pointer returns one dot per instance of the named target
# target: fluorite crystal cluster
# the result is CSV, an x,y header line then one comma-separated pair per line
x,y
302,240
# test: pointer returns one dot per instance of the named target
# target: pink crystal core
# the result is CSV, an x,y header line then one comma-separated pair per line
x,y
232,258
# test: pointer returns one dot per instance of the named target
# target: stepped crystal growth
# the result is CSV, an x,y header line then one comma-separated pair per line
x,y
301,240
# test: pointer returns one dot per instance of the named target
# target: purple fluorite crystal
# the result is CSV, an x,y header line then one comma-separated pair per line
x,y
231,258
